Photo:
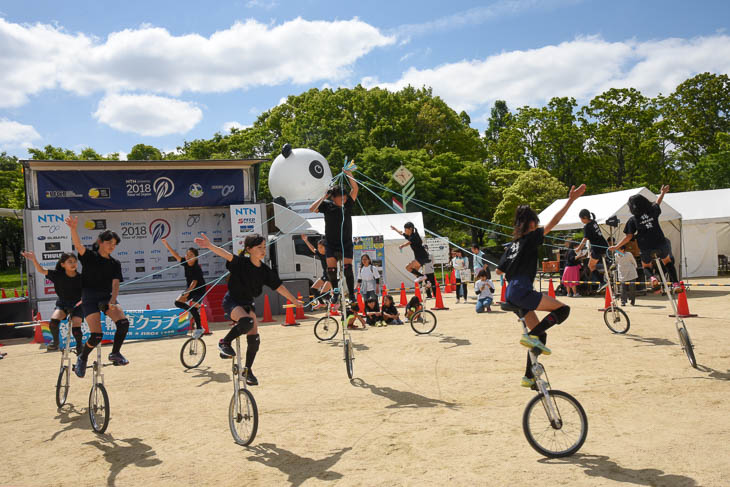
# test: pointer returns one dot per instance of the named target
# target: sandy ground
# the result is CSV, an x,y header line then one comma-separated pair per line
x,y
425,410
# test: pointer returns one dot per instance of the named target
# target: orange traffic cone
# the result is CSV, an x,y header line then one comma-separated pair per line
x,y
3,294
16,293
502,297
300,309
148,307
447,284
360,301
682,304
607,301
267,318
290,321
551,289
418,293
38,330
204,320
453,278
439,298
26,291
333,311
403,297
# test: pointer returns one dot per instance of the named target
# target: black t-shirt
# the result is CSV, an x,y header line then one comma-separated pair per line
x,y
645,228
570,259
416,245
99,272
193,273
376,309
333,223
247,280
68,289
322,260
520,256
390,310
593,233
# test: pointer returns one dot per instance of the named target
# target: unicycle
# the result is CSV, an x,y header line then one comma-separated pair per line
x,y
423,321
98,397
615,318
684,339
326,328
243,415
62,384
554,422
192,352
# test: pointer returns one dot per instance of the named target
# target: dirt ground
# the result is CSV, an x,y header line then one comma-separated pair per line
x,y
425,410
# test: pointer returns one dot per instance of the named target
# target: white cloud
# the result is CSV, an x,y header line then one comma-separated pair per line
x,y
230,125
581,68
39,57
261,4
147,114
15,134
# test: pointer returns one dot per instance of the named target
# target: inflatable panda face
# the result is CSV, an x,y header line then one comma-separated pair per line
x,y
304,175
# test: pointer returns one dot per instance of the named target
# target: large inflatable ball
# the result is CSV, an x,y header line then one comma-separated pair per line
x,y
299,175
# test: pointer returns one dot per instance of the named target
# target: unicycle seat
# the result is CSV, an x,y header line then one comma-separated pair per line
x,y
514,309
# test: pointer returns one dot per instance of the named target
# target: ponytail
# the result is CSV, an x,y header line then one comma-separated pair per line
x,y
587,215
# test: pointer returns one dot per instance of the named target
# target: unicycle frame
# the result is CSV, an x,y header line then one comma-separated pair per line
x,y
346,337
678,321
66,358
239,374
609,285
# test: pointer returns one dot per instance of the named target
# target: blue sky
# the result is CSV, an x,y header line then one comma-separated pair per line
x,y
112,74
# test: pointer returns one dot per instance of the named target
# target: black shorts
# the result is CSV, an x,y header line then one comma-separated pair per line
x,y
91,299
422,259
70,309
229,304
345,249
597,252
662,252
197,295
324,277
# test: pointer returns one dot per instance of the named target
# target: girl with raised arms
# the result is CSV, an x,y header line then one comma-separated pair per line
x,y
195,282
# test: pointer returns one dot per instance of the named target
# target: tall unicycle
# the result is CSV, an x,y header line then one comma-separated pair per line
x,y
423,321
192,352
243,415
326,328
349,355
684,339
615,318
98,397
64,373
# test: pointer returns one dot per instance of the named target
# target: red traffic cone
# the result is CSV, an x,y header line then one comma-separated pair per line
x,y
453,278
267,318
418,293
503,294
204,320
300,309
447,284
360,302
16,293
403,297
333,311
385,290
682,304
38,330
26,291
148,307
551,289
290,321
3,294
439,298
607,301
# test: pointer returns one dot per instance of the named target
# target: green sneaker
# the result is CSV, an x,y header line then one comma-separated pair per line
x,y
527,382
531,341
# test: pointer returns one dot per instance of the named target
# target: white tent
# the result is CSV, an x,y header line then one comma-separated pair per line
x,y
706,221
606,205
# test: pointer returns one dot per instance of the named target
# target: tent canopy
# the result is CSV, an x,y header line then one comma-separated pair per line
x,y
370,225
604,206
712,206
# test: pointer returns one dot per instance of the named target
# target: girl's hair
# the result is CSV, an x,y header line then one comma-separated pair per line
x,y
638,205
411,226
370,262
321,241
338,190
459,251
106,236
194,251
482,273
389,299
586,214
572,244
64,257
524,215
371,300
252,241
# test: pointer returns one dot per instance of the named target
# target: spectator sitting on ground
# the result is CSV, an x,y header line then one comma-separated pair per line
x,y
485,291
390,312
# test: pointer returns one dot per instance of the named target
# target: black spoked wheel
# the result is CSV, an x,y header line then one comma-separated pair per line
x,y
686,342
243,419
326,328
560,438
192,353
616,319
349,357
62,386
423,322
99,408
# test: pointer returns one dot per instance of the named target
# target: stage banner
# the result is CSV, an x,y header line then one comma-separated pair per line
x,y
439,250
141,251
122,190
51,238
374,247
143,325
245,220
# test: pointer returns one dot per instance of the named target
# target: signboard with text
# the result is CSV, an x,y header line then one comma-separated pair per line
x,y
245,220
51,238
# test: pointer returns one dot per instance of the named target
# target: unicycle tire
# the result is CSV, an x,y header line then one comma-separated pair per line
x,y
99,408
686,342
349,357
423,322
244,423
192,353
326,328
569,409
618,322
62,386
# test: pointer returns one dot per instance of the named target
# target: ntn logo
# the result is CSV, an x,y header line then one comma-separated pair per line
x,y
50,218
245,211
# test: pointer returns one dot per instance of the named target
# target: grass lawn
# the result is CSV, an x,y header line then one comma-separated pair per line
x,y
10,279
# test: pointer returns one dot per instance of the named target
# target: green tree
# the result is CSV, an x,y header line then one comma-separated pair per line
x,y
12,195
713,170
536,188
51,153
142,152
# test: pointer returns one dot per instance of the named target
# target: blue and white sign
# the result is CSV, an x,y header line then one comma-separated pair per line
x,y
245,220
51,237
120,190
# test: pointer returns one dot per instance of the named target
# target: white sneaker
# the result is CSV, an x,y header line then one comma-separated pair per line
x,y
420,279
198,332
457,300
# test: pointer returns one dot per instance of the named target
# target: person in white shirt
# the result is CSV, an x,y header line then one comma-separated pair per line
x,y
627,275
368,278
460,264
485,291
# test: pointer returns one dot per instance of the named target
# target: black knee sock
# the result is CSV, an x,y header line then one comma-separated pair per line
x,y
350,280
79,337
253,347
672,271
182,305
648,274
243,326
332,276
54,324
120,334
91,343
416,273
528,368
553,318
596,276
196,316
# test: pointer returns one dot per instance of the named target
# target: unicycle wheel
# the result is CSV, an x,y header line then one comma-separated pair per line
x,y
99,408
62,386
192,353
616,319
687,345
349,357
243,419
326,328
555,440
423,322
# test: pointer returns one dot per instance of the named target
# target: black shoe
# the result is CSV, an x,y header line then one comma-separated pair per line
x,y
226,349
251,379
80,367
52,346
117,359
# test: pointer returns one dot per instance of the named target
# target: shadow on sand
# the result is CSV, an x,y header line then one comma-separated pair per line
x,y
298,469
209,376
123,453
403,399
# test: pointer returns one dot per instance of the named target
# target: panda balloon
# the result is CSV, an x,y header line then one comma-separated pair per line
x,y
299,175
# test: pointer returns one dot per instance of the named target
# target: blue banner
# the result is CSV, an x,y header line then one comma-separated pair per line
x,y
139,189
143,324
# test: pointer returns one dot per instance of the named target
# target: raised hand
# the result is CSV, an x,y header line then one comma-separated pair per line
x,y
203,241
665,189
576,193
72,222
28,255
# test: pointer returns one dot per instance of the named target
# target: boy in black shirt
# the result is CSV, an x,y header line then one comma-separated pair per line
x,y
592,233
337,211
249,273
195,282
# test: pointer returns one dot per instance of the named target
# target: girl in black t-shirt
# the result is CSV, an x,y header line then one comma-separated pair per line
x,y
592,233
249,274
101,276
372,312
195,282
519,264
321,285
420,255
390,312
67,284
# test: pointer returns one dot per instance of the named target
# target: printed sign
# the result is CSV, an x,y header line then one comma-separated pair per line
x,y
439,250
375,249
402,175
245,220
139,189
51,238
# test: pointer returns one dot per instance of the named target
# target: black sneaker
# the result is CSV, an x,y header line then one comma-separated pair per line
x,y
251,379
117,359
80,367
226,349
52,346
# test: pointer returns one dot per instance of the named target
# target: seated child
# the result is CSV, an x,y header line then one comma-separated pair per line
x,y
390,312
353,313
484,288
373,313
413,305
